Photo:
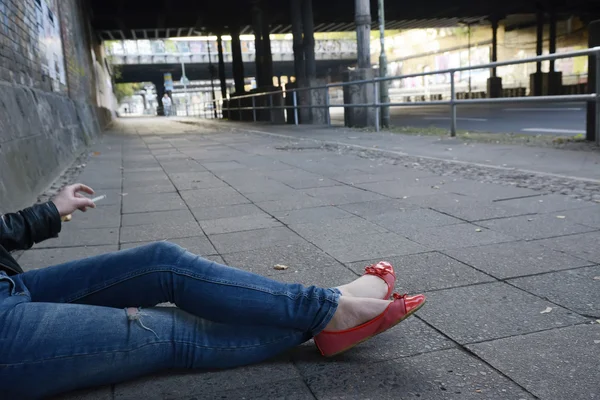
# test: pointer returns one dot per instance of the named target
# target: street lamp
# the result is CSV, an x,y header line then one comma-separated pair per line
x,y
211,70
383,88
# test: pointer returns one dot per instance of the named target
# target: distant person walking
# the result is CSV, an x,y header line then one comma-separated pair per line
x,y
167,104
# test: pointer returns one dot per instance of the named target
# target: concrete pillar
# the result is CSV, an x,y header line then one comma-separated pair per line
x,y
554,84
360,94
536,80
257,25
362,18
494,83
268,56
296,17
592,132
237,61
222,78
308,42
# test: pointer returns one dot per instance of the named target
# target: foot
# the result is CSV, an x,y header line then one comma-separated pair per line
x,y
354,311
370,286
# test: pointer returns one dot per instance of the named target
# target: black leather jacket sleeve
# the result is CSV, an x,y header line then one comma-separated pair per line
x,y
19,231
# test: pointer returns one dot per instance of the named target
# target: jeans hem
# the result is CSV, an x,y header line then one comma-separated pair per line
x,y
333,299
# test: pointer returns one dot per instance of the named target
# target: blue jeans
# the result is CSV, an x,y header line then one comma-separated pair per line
x,y
93,321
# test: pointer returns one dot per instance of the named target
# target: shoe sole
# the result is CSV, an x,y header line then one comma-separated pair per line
x,y
408,314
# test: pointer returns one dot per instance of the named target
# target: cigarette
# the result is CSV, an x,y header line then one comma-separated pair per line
x,y
95,199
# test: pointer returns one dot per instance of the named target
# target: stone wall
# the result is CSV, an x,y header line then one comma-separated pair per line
x,y
50,108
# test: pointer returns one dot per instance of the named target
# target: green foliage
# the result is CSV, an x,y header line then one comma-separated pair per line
x,y
123,90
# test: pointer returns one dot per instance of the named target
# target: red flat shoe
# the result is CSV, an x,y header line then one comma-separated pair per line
x,y
331,343
385,271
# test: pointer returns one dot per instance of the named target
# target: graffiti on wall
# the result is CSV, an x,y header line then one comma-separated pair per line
x,y
50,42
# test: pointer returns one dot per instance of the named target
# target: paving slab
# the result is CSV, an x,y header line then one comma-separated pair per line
x,y
138,203
189,384
289,389
298,257
184,166
583,246
255,239
547,203
360,247
464,207
401,221
196,180
400,188
576,289
212,197
230,211
378,207
455,236
40,258
487,191
342,194
491,311
199,245
160,231
150,188
239,224
289,202
99,217
82,237
507,260
170,217
536,226
410,338
448,374
102,393
423,272
588,216
311,215
556,364
335,228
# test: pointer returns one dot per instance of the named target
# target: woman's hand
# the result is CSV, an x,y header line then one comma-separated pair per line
x,y
68,199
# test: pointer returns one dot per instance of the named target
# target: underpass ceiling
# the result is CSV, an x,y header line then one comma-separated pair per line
x,y
148,19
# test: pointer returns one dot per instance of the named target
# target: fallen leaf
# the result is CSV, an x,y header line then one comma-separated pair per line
x,y
546,311
280,267
478,230
561,217
96,153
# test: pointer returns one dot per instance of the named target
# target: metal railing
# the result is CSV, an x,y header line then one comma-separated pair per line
x,y
453,102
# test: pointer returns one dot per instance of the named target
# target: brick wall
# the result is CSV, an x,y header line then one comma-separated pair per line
x,y
20,47
49,107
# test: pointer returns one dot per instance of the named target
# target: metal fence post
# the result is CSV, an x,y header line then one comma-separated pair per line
x,y
597,110
327,114
452,105
253,109
376,104
239,108
295,107
271,107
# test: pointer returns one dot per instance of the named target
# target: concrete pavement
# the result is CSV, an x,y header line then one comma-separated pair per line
x,y
512,273
558,119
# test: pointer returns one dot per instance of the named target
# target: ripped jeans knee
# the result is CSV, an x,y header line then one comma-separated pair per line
x,y
134,314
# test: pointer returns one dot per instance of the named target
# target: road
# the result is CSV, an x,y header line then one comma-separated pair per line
x,y
559,119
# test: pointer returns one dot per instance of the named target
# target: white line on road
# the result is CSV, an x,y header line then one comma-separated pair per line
x,y
549,130
542,109
458,119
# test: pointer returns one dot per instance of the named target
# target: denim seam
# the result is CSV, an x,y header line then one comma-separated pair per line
x,y
334,300
170,342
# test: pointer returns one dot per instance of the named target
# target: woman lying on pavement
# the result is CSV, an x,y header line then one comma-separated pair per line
x,y
93,322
